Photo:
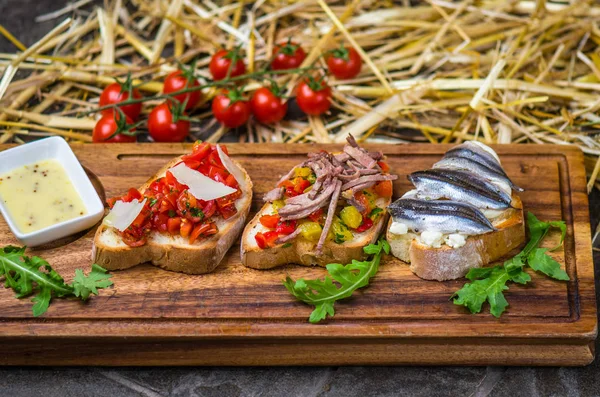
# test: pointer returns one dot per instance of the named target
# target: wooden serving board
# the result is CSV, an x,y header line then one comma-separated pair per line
x,y
241,316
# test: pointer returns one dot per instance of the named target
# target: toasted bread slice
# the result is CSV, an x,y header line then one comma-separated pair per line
x,y
446,263
301,251
174,252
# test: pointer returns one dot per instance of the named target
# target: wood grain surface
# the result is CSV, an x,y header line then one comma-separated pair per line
x,y
242,316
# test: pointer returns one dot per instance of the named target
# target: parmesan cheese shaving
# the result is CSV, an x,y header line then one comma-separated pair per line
x,y
200,186
232,167
123,214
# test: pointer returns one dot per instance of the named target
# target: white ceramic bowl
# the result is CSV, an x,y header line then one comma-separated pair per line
x,y
58,149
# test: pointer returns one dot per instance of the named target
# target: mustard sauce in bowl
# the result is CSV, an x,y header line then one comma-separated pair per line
x,y
40,195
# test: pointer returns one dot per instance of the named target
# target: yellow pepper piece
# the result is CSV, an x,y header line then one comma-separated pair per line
x,y
302,172
310,231
278,204
340,231
351,217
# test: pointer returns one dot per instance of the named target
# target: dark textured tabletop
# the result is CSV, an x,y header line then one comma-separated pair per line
x,y
18,17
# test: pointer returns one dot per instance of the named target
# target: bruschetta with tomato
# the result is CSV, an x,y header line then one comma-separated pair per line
x,y
184,219
324,210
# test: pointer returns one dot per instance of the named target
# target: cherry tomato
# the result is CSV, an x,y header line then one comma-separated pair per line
x,y
112,94
344,63
105,128
221,62
267,107
384,189
288,56
366,224
230,110
162,128
269,221
178,81
313,100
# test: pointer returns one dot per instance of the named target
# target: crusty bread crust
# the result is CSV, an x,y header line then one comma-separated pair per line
x,y
448,263
201,257
301,251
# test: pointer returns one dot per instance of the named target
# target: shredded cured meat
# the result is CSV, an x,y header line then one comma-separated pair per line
x,y
337,175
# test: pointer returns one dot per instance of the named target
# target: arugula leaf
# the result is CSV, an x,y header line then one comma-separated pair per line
x,y
84,285
488,284
34,276
539,261
342,281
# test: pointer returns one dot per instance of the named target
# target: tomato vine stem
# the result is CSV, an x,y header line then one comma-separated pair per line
x,y
223,82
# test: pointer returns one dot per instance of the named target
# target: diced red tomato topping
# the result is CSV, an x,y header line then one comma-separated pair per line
x,y
286,227
384,189
170,208
316,216
366,224
266,240
173,225
384,166
269,221
362,199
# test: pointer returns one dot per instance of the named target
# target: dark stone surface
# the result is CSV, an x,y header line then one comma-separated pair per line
x,y
18,18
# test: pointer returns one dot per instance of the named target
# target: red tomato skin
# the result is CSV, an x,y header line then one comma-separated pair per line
x,y
283,61
107,126
267,107
312,102
219,66
176,81
112,94
345,69
269,221
366,224
162,128
228,114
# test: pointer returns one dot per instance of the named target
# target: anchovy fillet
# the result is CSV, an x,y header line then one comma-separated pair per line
x,y
443,216
459,186
477,154
463,164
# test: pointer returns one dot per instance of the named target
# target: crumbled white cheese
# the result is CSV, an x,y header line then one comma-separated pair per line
x,y
398,228
455,240
432,239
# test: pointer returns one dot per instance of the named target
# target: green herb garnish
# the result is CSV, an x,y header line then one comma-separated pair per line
x,y
375,213
197,213
286,245
322,294
34,276
172,213
153,201
339,238
489,283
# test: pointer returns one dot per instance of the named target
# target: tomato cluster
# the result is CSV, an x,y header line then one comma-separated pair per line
x,y
171,208
168,121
